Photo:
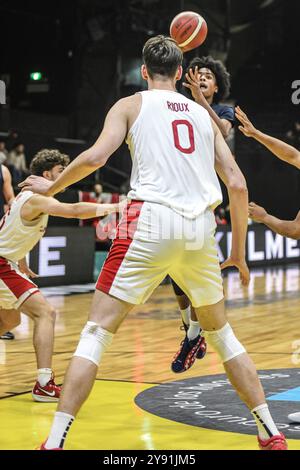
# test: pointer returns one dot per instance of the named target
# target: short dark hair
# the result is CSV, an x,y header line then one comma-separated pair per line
x,y
219,70
47,159
162,56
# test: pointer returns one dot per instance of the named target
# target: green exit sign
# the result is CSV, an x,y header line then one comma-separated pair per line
x,y
36,76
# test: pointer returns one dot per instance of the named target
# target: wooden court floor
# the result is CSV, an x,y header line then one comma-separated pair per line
x,y
265,317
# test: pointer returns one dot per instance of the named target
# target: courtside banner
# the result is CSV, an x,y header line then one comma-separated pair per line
x,y
264,247
65,255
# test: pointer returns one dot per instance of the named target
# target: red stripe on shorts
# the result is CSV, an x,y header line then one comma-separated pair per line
x,y
124,236
15,283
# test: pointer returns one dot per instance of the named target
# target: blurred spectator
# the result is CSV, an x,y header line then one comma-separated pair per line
x,y
125,187
3,152
294,135
98,190
100,197
16,162
220,216
12,139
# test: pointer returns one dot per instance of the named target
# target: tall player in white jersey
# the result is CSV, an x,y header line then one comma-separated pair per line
x,y
20,229
168,228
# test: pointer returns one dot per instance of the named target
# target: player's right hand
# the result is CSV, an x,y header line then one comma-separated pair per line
x,y
37,184
24,268
257,213
241,265
193,84
247,128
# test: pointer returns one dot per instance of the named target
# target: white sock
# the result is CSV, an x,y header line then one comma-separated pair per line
x,y
186,315
193,330
44,375
266,426
60,428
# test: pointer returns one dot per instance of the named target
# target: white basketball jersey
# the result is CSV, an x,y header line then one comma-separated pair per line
x,y
18,237
172,149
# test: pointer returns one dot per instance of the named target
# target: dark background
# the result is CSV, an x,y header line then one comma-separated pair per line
x,y
89,52
79,246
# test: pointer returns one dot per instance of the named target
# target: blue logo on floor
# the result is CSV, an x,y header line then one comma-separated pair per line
x,y
287,395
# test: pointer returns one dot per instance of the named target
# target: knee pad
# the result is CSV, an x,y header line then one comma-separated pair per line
x,y
224,342
94,340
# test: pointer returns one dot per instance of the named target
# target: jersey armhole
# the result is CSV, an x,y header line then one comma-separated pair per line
x,y
29,223
137,118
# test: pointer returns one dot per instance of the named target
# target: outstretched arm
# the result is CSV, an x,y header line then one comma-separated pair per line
x,y
279,148
234,180
38,205
287,228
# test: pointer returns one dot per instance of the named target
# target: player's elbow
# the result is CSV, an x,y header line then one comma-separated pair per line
x,y
76,212
225,131
294,231
296,160
225,128
67,211
95,158
295,236
238,186
79,211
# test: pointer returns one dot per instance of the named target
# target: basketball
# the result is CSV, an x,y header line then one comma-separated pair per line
x,y
189,30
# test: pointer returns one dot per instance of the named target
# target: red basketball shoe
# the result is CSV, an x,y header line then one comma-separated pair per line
x,y
49,393
42,447
274,443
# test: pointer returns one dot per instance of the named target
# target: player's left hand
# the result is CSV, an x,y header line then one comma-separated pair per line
x,y
247,128
24,268
256,212
241,265
37,184
193,79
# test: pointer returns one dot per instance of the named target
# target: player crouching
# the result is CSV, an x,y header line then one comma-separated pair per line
x,y
21,228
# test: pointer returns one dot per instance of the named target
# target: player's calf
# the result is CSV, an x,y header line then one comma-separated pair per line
x,y
9,319
243,376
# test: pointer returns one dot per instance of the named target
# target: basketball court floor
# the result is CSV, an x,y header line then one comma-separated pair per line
x,y
137,402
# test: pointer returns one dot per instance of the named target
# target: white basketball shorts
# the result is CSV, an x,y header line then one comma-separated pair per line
x,y
152,240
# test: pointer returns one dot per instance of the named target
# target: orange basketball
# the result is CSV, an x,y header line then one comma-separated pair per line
x,y
189,30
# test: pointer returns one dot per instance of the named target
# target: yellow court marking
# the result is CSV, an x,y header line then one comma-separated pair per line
x,y
111,420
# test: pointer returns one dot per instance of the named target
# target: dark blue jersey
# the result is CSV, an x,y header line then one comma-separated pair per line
x,y
224,112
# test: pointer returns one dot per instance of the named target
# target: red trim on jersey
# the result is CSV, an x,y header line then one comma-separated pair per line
x,y
15,283
124,236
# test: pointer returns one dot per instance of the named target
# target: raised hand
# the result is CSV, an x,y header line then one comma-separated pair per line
x,y
247,128
193,84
